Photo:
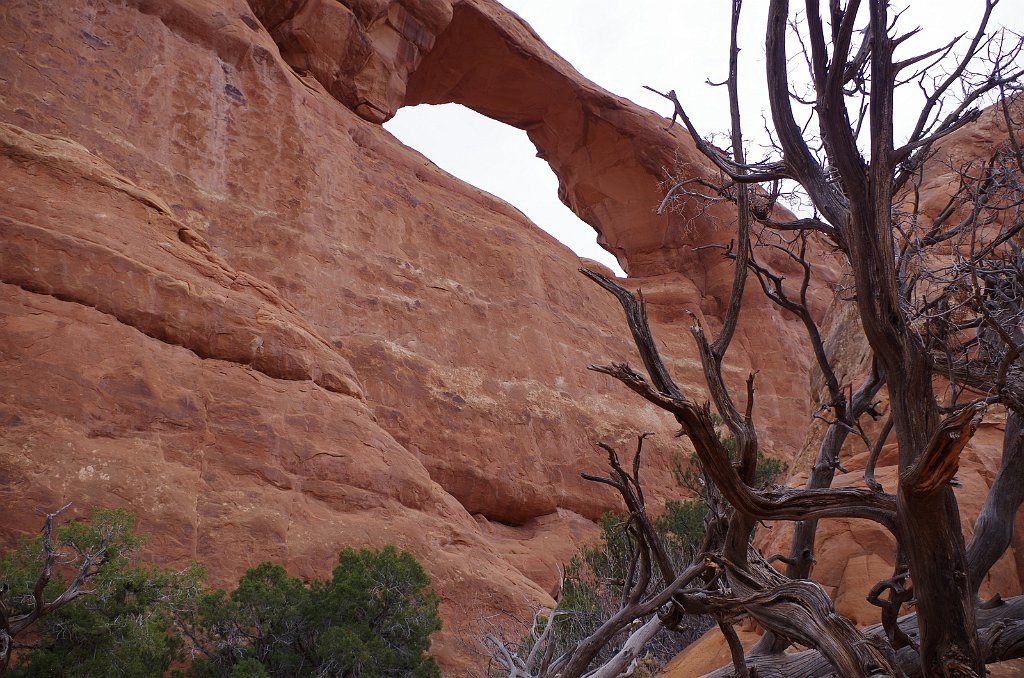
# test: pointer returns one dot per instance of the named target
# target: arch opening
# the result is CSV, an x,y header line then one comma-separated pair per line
x,y
501,160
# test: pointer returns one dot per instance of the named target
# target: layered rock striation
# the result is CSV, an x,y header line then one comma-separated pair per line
x,y
233,303
236,306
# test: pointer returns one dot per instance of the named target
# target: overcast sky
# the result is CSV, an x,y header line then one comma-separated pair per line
x,y
622,46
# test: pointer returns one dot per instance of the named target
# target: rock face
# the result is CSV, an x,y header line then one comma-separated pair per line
x,y
360,51
234,304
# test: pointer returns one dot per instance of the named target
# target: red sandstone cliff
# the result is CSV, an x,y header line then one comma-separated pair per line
x,y
232,302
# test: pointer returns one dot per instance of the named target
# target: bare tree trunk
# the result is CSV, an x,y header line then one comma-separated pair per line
x,y
854,195
929,529
994,528
1001,633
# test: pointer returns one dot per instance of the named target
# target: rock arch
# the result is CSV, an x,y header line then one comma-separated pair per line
x,y
610,155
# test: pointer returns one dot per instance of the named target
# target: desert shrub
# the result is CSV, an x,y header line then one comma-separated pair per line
x,y
102,614
372,618
119,618
593,579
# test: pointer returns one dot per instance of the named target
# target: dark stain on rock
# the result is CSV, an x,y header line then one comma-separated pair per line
x,y
234,93
95,41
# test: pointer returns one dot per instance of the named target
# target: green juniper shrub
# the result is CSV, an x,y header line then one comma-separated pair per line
x,y
120,621
372,618
592,581
768,471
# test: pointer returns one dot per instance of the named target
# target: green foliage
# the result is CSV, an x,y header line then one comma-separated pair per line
x,y
120,623
767,472
682,527
249,668
372,618
107,537
593,579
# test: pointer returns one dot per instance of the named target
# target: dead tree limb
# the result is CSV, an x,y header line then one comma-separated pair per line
x,y
1001,634
993,529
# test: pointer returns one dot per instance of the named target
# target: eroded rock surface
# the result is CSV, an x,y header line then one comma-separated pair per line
x,y
238,308
234,304
361,51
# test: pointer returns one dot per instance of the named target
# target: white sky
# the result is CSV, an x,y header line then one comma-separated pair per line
x,y
622,46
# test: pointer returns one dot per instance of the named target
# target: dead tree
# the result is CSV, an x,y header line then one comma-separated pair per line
x,y
857,199
940,298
